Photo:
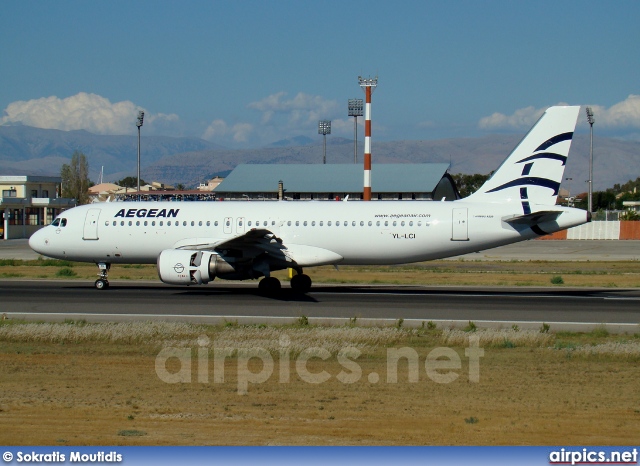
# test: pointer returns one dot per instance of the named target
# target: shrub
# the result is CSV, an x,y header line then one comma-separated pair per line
x,y
66,272
557,280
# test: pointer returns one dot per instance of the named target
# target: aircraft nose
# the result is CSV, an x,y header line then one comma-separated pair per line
x,y
37,241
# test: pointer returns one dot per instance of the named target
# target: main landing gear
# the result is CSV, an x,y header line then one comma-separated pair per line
x,y
102,283
300,283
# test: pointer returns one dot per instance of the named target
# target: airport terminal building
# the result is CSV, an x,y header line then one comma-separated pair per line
x,y
28,203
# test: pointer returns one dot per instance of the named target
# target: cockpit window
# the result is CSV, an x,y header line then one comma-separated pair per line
x,y
56,222
63,222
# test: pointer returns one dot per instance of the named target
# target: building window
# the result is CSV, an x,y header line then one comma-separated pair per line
x,y
9,193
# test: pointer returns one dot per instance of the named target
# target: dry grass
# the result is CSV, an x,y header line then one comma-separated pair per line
x,y
445,272
88,383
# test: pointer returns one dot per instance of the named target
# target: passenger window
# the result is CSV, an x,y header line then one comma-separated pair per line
x,y
160,223
402,223
362,224
115,223
130,223
329,223
200,223
377,223
184,224
121,223
193,223
353,223
313,223
145,223
386,223
370,222
419,224
106,224
297,223
208,223
289,223
215,224
153,223
320,222
305,223
395,223
138,223
249,223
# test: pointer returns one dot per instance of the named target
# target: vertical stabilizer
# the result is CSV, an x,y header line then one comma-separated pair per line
x,y
532,173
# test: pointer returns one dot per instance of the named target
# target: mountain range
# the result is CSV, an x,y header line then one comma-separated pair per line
x,y
26,150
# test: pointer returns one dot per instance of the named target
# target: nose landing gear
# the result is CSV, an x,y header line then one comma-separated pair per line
x,y
102,283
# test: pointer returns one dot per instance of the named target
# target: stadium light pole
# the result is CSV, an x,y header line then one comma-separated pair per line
x,y
355,110
324,128
139,125
591,121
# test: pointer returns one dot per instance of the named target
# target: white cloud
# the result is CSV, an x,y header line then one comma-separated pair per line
x,y
522,118
623,115
220,131
280,117
303,111
90,112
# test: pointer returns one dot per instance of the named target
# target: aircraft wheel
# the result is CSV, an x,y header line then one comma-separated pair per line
x,y
269,285
101,284
301,283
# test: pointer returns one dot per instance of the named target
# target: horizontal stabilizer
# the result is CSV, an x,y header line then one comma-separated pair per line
x,y
535,218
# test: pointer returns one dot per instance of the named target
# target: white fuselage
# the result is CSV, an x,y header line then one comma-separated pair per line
x,y
378,232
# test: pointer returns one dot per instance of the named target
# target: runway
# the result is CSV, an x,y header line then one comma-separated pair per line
x,y
528,307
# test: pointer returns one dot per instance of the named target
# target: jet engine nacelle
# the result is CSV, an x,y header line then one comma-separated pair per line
x,y
185,267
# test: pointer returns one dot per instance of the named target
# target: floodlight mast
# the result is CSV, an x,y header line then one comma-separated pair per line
x,y
324,128
139,125
591,121
368,85
355,110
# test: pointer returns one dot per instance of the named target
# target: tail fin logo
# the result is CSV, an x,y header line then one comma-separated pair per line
x,y
537,181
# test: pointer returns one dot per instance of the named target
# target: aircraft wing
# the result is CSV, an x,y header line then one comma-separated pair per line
x,y
534,218
259,241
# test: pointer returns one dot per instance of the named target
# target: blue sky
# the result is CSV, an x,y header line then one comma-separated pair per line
x,y
248,73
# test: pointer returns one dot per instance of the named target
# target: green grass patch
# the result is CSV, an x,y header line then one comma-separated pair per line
x,y
66,272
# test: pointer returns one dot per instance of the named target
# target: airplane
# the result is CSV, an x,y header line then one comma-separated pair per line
x,y
196,242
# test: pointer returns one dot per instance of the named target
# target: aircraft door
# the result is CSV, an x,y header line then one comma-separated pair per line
x,y
460,225
240,225
227,226
90,231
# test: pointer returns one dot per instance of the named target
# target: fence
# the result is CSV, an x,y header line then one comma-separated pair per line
x,y
614,230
